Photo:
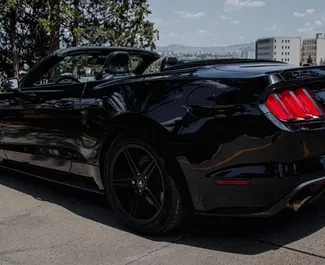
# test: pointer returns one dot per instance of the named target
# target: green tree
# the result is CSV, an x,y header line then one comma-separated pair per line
x,y
35,41
120,23
30,29
22,40
10,14
98,22
73,22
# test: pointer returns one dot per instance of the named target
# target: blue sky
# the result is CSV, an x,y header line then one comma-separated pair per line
x,y
226,22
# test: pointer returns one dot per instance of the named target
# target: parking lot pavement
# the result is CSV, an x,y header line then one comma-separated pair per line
x,y
43,223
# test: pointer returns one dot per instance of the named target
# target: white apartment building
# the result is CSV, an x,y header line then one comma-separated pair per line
x,y
285,49
314,50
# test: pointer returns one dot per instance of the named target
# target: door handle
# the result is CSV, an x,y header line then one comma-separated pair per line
x,y
64,104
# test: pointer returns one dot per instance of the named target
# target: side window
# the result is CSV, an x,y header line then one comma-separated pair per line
x,y
83,67
134,62
80,67
154,67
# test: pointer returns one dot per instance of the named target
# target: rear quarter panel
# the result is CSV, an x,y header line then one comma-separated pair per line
x,y
212,124
197,113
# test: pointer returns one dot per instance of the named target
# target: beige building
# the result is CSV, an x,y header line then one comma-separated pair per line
x,y
285,49
314,50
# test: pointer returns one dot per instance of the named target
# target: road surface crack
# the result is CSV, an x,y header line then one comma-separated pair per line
x,y
290,248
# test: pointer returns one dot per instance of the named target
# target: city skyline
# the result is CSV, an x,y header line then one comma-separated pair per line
x,y
229,22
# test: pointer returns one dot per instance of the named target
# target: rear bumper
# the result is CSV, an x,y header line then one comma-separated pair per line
x,y
264,195
301,196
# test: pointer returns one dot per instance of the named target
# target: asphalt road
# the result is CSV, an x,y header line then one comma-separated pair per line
x,y
42,223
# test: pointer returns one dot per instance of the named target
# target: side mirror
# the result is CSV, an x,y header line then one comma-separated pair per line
x,y
11,84
170,61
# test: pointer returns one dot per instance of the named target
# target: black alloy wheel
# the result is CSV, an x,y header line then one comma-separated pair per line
x,y
140,189
135,173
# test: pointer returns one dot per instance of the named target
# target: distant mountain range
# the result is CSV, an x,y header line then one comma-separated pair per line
x,y
222,49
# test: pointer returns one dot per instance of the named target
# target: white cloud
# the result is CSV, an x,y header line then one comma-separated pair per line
x,y
185,14
273,27
318,23
297,14
308,11
202,31
244,3
305,30
310,29
235,22
225,17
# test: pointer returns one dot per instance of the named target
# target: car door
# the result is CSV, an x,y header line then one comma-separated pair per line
x,y
41,128
42,122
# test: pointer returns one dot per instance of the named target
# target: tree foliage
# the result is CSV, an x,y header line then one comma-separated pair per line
x,y
30,29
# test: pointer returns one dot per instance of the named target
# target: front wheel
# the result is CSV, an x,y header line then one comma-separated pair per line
x,y
141,190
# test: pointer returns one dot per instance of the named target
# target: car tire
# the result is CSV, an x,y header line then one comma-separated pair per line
x,y
143,184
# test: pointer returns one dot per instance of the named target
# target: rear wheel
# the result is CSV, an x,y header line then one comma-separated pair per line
x,y
141,188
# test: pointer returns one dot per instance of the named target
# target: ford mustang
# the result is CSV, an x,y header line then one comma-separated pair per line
x,y
163,138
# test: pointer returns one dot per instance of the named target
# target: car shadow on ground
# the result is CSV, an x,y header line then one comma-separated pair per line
x,y
233,235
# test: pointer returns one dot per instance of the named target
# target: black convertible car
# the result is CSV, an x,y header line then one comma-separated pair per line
x,y
163,138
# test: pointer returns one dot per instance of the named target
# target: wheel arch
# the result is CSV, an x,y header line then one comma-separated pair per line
x,y
130,124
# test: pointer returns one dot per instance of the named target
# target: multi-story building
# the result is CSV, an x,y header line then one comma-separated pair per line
x,y
313,50
247,54
285,49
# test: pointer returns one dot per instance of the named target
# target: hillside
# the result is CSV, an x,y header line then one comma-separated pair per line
x,y
221,49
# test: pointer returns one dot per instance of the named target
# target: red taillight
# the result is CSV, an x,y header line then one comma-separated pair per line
x,y
294,105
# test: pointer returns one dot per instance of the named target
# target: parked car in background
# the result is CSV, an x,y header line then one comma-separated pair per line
x,y
231,137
